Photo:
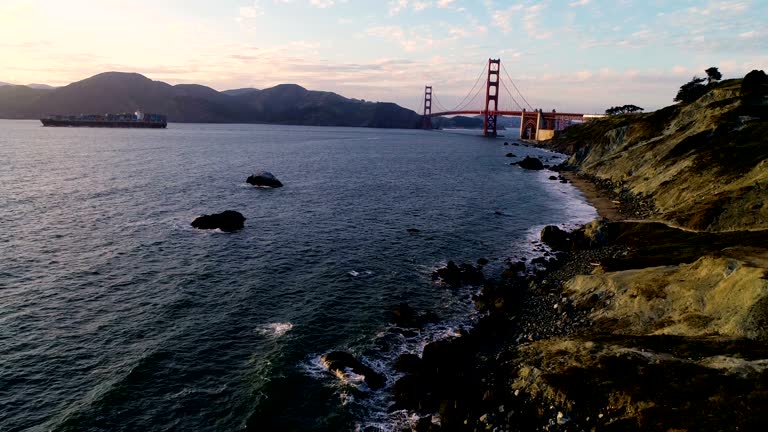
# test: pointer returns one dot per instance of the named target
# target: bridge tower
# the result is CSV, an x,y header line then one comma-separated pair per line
x,y
491,98
426,119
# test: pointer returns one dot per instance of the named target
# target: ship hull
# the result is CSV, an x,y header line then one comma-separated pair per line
x,y
104,124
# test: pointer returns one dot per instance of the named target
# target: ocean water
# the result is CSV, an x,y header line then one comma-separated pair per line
x,y
116,315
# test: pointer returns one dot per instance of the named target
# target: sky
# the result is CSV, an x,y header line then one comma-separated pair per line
x,y
569,55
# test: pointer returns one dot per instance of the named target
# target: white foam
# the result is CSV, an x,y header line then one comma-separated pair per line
x,y
274,329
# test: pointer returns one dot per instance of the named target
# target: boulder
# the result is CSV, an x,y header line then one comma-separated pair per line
x,y
405,316
456,276
510,155
340,361
264,179
227,221
556,238
553,177
530,163
408,363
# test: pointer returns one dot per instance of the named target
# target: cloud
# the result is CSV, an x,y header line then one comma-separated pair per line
x,y
251,11
579,3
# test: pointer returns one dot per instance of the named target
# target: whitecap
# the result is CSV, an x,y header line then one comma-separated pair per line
x,y
274,329
354,273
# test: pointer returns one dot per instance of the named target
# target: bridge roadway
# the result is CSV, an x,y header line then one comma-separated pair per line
x,y
508,113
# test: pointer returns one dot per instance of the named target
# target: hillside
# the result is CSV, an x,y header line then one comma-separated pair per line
x,y
704,165
125,92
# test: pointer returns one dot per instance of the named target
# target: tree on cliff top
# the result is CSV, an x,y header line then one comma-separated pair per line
x,y
696,88
625,109
691,90
713,75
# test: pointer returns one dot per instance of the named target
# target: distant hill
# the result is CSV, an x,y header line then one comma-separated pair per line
x,y
41,86
4,84
126,92
238,92
475,122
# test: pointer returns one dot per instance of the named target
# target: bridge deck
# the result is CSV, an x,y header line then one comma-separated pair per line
x,y
505,113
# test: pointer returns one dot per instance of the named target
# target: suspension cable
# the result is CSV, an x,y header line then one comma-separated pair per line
x,y
440,106
515,86
509,93
470,93
471,101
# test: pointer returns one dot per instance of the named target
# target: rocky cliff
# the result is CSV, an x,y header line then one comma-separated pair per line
x,y
704,165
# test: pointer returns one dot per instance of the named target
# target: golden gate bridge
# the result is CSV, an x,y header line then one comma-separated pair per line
x,y
535,124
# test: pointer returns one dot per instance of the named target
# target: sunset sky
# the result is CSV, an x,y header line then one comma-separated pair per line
x,y
577,55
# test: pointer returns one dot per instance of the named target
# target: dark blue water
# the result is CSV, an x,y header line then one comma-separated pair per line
x,y
116,315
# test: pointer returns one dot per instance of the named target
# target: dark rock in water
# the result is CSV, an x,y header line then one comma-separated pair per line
x,y
227,221
556,238
516,144
506,143
553,177
498,213
341,361
405,316
413,231
482,261
513,270
510,155
408,363
409,391
456,276
264,179
563,181
530,163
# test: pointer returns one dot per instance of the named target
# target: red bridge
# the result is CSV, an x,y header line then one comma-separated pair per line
x,y
535,124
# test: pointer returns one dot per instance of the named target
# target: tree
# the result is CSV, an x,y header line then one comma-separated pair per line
x,y
625,109
713,75
691,90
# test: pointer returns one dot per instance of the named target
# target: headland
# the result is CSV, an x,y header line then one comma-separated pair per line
x,y
653,317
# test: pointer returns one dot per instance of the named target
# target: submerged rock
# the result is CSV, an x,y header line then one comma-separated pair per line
x,y
264,179
340,361
227,221
405,316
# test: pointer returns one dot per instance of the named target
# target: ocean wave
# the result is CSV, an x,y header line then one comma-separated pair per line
x,y
275,330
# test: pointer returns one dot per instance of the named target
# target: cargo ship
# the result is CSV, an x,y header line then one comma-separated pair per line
x,y
124,120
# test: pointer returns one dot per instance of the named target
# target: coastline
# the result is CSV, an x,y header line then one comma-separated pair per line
x,y
551,351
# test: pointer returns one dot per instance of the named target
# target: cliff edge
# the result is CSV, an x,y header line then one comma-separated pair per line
x,y
704,164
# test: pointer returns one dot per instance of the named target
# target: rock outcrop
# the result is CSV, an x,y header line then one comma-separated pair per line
x,y
530,163
227,221
340,361
264,179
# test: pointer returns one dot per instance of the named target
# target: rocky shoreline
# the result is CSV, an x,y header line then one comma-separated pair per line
x,y
544,358
552,351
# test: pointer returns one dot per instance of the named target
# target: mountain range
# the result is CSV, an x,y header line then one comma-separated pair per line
x,y
114,92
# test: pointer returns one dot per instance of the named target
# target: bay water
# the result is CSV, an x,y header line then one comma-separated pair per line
x,y
116,315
